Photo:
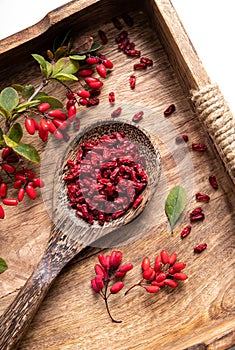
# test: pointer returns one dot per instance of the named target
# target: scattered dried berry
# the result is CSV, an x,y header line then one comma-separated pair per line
x,y
170,109
116,113
181,138
202,197
200,147
198,249
117,24
138,116
186,231
103,37
213,182
132,81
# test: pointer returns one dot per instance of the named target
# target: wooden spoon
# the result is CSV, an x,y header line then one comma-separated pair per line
x,y
69,234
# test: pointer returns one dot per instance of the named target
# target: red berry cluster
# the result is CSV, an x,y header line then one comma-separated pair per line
x,y
101,64
166,271
24,180
53,121
56,121
109,270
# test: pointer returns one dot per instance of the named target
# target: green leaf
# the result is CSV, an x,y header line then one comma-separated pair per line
x,y
54,102
61,52
27,91
41,60
59,41
49,69
15,133
9,99
77,57
4,113
175,204
3,265
23,106
28,152
9,142
65,66
95,47
18,87
1,134
63,76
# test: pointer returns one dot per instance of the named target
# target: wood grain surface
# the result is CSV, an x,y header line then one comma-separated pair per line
x,y
200,313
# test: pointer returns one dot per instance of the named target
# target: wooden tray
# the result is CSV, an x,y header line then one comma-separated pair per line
x,y
200,315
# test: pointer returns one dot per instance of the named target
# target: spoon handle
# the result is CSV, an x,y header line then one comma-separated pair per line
x,y
17,317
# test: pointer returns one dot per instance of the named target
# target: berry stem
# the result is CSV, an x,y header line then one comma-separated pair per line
x,y
105,297
39,88
138,284
107,308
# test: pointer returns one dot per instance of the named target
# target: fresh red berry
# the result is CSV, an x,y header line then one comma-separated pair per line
x,y
30,125
180,276
30,190
6,152
172,258
164,257
70,95
57,113
72,112
58,135
37,182
85,72
101,70
8,167
148,274
152,289
107,63
20,194
43,107
92,60
170,283
116,287
2,213
179,266
115,258
99,281
83,93
94,286
145,263
125,267
10,201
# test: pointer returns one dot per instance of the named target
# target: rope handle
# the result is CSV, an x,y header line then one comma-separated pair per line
x,y
216,116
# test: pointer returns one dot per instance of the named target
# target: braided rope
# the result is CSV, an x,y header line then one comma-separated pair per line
x,y
215,114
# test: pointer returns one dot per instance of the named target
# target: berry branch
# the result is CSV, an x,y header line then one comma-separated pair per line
x,y
109,270
28,108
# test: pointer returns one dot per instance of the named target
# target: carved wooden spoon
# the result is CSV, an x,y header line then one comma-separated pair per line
x,y
69,234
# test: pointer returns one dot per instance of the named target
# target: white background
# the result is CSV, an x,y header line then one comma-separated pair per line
x,y
210,25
